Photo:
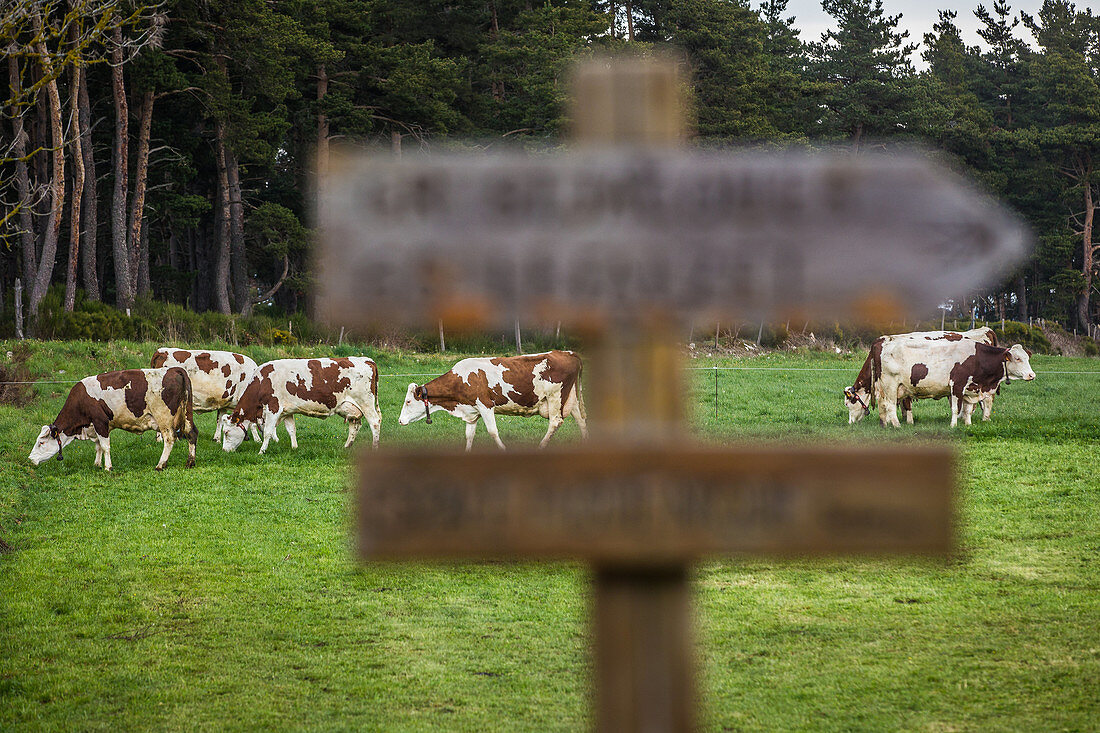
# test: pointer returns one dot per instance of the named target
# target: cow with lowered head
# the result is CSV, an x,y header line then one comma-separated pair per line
x,y
547,384
133,399
860,397
283,388
218,378
962,370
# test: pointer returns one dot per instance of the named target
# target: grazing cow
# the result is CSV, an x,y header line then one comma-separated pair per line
x,y
134,399
218,378
547,384
859,398
963,370
284,388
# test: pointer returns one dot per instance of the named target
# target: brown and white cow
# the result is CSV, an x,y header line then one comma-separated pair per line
x,y
218,378
283,388
860,397
547,384
962,370
135,400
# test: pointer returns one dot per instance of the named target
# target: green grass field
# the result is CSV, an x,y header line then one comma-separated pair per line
x,y
226,597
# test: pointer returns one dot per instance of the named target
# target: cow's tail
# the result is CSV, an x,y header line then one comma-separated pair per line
x,y
188,428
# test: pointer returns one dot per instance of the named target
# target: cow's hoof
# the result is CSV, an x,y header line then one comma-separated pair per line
x,y
160,468
190,462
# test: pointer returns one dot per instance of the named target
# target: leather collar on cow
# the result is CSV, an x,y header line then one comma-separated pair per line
x,y
421,394
850,394
55,433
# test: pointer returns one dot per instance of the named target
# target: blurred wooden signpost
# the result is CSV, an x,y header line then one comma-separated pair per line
x,y
622,239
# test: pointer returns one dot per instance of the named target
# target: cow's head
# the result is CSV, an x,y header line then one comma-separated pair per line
x,y
1018,363
49,444
416,405
858,403
234,431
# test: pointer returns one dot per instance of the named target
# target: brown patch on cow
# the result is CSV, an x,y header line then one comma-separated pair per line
x,y
239,358
133,384
259,393
920,371
81,410
226,370
243,375
228,389
205,363
159,359
374,382
181,356
952,336
326,380
175,387
982,371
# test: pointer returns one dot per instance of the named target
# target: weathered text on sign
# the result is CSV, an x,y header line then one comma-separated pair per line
x,y
617,232
656,504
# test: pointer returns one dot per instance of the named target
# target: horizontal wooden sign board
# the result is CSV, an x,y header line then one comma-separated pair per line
x,y
656,504
491,238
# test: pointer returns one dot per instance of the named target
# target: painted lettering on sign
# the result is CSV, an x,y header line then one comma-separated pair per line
x,y
622,231
655,503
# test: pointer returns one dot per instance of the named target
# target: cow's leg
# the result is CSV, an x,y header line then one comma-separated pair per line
x,y
270,423
955,401
291,430
553,414
374,420
471,429
105,442
907,408
192,432
98,450
967,411
987,406
490,419
218,425
169,440
578,412
888,406
354,424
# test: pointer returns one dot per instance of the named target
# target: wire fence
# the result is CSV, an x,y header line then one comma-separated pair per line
x,y
852,370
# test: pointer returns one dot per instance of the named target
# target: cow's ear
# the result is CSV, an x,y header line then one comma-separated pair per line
x,y
418,392
1007,356
1027,351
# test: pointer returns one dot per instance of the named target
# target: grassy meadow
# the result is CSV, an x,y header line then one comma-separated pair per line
x,y
227,597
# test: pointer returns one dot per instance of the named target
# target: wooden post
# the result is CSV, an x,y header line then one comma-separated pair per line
x,y
442,343
519,342
641,622
18,308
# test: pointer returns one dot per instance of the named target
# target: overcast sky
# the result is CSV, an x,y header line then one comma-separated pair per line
x,y
917,17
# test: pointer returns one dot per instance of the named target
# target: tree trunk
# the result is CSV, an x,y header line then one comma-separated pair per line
x,y
221,268
57,185
137,201
124,297
90,207
1021,298
77,190
239,257
1087,249
144,285
22,175
629,21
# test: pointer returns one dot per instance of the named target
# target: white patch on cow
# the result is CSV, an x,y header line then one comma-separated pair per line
x,y
45,447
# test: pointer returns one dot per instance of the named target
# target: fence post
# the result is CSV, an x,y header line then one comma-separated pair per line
x,y
18,308
715,391
442,343
340,341
943,315
717,326
519,343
